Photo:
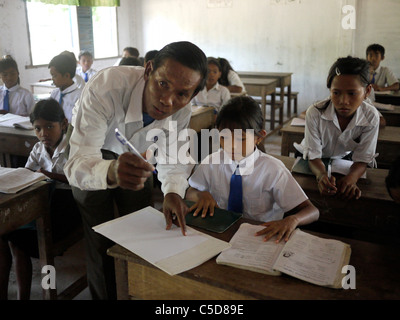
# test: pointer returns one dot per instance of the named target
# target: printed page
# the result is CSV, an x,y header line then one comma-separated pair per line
x,y
9,119
298,122
13,180
343,167
250,252
143,233
312,259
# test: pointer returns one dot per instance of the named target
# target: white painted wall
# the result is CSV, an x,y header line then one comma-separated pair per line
x,y
300,36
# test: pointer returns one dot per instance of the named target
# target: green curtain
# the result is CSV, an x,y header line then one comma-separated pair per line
x,y
82,3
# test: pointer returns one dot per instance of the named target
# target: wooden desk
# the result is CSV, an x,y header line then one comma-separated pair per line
x,y
260,87
202,118
392,98
284,79
388,145
392,117
17,142
376,266
374,217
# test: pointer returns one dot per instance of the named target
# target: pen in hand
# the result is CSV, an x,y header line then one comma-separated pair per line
x,y
124,141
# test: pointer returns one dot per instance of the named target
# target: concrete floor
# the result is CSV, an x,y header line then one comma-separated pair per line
x,y
71,265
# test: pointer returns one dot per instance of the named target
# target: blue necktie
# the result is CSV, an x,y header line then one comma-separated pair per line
x,y
373,78
86,77
235,202
61,98
6,102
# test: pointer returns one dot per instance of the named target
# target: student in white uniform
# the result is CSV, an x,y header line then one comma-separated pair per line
x,y
344,125
84,68
47,156
13,98
62,70
267,191
381,78
230,78
213,94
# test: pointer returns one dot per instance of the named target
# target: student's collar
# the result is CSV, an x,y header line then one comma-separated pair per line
x,y
378,69
215,87
246,165
14,88
71,88
357,120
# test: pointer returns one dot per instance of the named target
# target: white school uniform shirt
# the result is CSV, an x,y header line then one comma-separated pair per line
x,y
323,137
269,189
384,76
72,94
216,97
20,100
91,72
40,158
113,99
234,80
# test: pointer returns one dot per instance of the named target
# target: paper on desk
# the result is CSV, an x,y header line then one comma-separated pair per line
x,y
143,233
298,122
13,120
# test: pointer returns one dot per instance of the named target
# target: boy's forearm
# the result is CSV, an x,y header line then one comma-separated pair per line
x,y
317,167
192,194
357,169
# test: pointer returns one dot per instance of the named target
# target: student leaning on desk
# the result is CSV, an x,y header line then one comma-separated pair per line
x,y
345,125
241,178
134,100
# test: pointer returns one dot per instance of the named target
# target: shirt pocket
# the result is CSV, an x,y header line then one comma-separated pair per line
x,y
256,205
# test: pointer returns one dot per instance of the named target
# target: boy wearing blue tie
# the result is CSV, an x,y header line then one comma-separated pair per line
x,y
85,69
382,78
62,70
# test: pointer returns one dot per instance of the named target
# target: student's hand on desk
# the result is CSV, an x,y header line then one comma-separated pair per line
x,y
175,211
348,189
326,186
204,204
129,172
282,229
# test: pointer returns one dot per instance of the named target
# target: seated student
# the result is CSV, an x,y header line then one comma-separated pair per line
x,y
62,70
13,98
213,94
128,52
345,125
149,56
381,78
47,156
130,61
393,181
230,78
267,190
85,69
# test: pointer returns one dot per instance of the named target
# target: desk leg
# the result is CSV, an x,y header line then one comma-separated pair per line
x,y
121,277
289,103
263,106
273,111
285,144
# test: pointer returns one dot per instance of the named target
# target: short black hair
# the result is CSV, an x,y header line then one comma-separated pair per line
x,y
85,53
150,55
132,51
349,66
49,110
214,61
130,61
241,112
8,63
376,48
186,53
64,63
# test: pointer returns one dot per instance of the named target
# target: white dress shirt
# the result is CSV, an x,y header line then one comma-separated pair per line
x,y
40,158
91,72
234,80
216,97
20,100
269,189
71,96
113,99
384,76
324,139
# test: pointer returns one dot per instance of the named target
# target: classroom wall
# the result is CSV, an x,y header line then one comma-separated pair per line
x,y
300,36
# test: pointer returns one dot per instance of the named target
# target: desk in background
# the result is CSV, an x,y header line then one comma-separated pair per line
x,y
44,87
260,87
392,98
202,118
388,145
284,79
376,266
17,142
392,117
374,217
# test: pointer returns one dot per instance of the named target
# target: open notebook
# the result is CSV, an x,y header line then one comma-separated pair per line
x,y
13,180
12,120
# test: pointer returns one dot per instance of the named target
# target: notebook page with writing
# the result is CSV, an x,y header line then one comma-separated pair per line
x,y
143,233
13,180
